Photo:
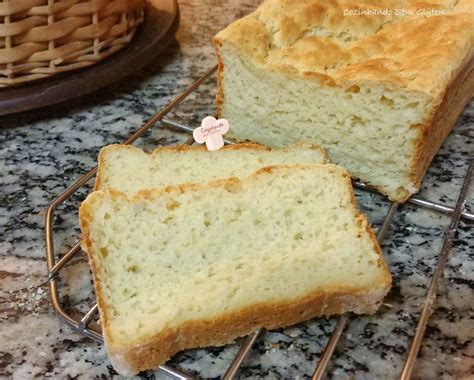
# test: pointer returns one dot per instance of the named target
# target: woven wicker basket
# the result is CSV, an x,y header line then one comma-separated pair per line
x,y
40,38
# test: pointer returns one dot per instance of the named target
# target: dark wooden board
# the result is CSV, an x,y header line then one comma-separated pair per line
x,y
159,27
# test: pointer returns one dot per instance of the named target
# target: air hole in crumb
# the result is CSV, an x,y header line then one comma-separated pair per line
x,y
207,222
132,268
356,120
232,293
104,252
354,89
106,215
386,101
167,219
298,236
413,105
172,205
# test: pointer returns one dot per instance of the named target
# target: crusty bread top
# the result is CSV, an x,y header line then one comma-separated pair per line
x,y
236,146
315,39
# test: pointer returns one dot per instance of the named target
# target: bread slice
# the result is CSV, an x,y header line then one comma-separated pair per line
x,y
379,92
129,169
200,265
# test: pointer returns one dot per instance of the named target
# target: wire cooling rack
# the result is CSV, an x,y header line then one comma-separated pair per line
x,y
84,324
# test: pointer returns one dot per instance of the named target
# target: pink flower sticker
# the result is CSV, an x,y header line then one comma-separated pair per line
x,y
210,132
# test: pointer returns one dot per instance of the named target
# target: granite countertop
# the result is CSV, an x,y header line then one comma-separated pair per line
x,y
42,152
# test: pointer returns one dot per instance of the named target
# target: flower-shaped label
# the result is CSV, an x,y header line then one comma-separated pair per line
x,y
210,132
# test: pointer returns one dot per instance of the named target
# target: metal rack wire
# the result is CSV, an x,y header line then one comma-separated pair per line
x,y
83,325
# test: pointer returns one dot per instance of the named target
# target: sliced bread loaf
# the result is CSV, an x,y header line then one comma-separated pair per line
x,y
199,265
129,169
380,93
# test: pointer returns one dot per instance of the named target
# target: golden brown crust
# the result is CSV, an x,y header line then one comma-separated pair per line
x,y
184,148
86,245
220,72
301,37
228,327
366,227
444,117
100,169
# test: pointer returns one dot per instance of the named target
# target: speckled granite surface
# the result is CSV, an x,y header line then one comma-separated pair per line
x,y
42,152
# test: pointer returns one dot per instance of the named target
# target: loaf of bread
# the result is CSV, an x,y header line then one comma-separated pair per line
x,y
379,84
129,169
199,265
